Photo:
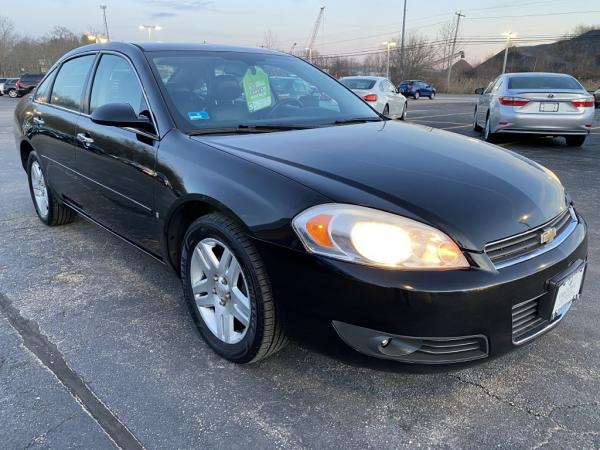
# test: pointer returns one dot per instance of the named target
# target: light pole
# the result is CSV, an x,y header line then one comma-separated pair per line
x,y
150,29
389,45
309,50
509,35
402,43
96,38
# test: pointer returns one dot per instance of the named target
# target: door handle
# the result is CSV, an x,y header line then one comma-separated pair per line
x,y
84,139
38,121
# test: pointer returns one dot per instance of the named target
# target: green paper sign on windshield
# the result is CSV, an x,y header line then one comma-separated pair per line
x,y
256,89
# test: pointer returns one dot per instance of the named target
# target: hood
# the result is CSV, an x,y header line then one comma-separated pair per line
x,y
473,191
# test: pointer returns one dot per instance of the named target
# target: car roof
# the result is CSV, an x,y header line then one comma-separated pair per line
x,y
171,46
366,77
535,74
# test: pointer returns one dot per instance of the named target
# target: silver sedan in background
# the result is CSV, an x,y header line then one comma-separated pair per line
x,y
380,93
550,104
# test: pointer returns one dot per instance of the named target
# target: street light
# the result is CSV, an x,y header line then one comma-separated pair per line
x,y
309,50
509,35
150,29
96,38
389,45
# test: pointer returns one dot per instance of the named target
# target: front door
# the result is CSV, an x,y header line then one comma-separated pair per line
x,y
118,163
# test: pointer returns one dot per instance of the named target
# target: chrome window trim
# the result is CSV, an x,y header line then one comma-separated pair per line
x,y
540,250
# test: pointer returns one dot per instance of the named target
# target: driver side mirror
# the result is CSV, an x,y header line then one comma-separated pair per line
x,y
120,115
479,90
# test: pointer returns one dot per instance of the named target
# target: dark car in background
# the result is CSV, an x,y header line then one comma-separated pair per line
x,y
416,89
27,82
414,244
597,97
10,87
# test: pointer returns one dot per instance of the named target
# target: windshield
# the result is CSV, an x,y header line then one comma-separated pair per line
x,y
358,83
543,82
215,89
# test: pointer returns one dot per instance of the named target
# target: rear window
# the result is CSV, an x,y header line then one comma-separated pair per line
x,y
358,83
543,82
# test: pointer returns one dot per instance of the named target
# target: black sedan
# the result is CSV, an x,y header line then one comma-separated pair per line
x,y
415,244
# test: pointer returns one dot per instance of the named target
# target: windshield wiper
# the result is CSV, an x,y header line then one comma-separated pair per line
x,y
249,128
356,120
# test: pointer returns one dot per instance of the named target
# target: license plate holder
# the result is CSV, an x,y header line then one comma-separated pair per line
x,y
567,288
548,107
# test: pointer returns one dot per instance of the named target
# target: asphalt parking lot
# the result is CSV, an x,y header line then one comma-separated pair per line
x,y
114,321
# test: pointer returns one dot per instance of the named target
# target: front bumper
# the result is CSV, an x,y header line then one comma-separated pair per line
x,y
434,308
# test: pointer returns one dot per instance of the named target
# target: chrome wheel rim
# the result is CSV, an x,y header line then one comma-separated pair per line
x,y
12,93
220,290
40,190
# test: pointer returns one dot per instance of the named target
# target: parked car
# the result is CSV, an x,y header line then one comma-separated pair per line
x,y
416,89
27,83
549,104
380,93
414,244
2,81
597,97
10,87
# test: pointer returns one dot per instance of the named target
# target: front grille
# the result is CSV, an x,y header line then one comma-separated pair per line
x,y
450,350
526,318
502,252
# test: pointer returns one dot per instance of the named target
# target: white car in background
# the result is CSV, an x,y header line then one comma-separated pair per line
x,y
380,93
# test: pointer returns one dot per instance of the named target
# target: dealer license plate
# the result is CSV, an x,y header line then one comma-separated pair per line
x,y
548,107
568,291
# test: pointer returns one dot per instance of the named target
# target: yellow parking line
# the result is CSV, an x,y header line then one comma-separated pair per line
x,y
443,115
458,126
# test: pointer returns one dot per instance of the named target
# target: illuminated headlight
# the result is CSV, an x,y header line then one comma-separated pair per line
x,y
376,238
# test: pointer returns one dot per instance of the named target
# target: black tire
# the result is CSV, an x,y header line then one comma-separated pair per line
x,y
488,136
12,93
476,126
417,95
58,213
386,111
575,141
432,95
404,111
265,334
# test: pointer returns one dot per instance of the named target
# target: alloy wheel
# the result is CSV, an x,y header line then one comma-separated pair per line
x,y
220,290
40,190
12,93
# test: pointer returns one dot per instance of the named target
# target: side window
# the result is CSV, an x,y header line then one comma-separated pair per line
x,y
497,85
116,82
69,82
43,90
490,86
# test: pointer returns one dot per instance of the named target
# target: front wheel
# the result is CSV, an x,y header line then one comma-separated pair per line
x,y
476,126
228,292
432,96
12,93
575,141
417,95
47,207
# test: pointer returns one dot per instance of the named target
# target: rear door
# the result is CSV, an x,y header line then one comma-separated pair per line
x,y
118,163
394,101
57,106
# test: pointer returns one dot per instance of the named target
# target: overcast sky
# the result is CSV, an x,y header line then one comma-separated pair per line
x,y
349,25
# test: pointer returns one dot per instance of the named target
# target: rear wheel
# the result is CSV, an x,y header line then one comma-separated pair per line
x,y
386,111
432,96
417,95
12,93
404,111
488,136
48,209
575,141
476,126
228,292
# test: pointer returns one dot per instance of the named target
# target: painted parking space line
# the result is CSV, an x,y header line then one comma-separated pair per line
x,y
457,126
439,121
444,115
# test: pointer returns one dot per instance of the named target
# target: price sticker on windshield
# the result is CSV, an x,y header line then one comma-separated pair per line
x,y
257,89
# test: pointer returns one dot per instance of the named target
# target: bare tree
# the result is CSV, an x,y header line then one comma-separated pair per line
x,y
7,38
269,40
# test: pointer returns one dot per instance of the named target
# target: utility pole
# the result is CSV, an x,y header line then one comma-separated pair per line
x,y
509,35
402,43
458,16
103,8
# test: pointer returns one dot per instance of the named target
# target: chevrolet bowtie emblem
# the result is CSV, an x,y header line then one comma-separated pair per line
x,y
548,235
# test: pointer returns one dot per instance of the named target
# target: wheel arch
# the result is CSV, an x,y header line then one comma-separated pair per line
x,y
182,214
25,148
